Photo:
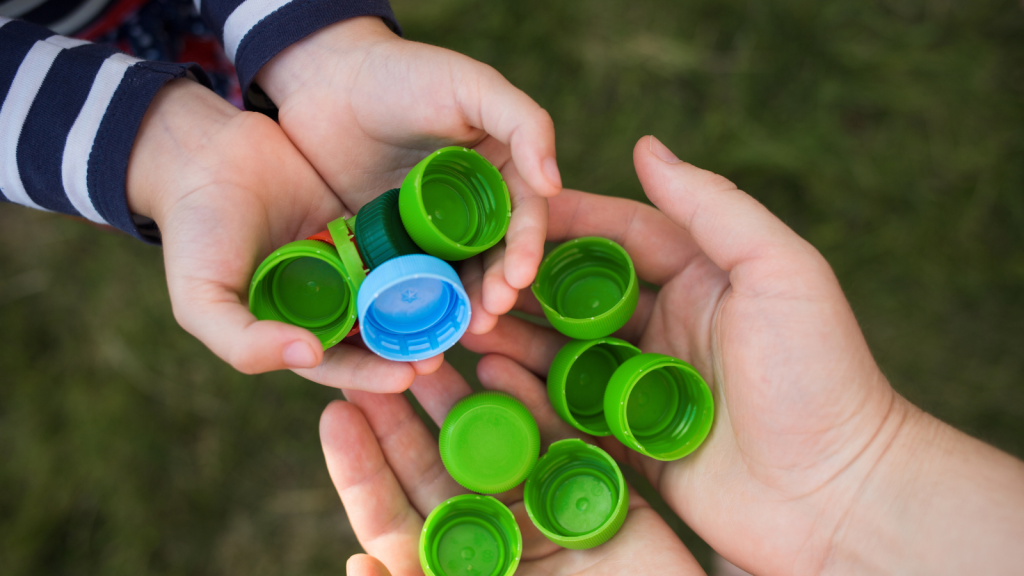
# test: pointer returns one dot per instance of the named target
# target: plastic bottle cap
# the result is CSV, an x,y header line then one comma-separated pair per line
x,y
587,287
489,442
576,495
412,307
454,204
380,235
470,535
659,406
305,283
578,377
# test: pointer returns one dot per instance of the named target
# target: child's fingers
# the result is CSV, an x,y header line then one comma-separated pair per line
x,y
497,296
528,344
526,231
658,247
352,367
387,526
216,316
438,392
472,275
409,448
496,372
492,103
365,565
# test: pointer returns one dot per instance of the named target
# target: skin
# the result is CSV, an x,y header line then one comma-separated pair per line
x,y
213,179
211,176
364,106
814,464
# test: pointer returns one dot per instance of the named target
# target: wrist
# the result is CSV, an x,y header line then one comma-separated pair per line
x,y
340,45
937,501
182,117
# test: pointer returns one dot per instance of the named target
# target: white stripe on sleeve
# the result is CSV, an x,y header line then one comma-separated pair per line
x,y
65,42
4,20
78,148
198,4
23,91
244,17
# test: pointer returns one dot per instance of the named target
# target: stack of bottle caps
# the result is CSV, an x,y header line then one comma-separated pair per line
x,y
388,266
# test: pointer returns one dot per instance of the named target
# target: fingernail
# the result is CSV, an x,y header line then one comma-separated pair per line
x,y
662,151
299,355
550,168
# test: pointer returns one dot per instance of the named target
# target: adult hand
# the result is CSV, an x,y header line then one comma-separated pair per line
x,y
814,464
226,188
364,106
388,471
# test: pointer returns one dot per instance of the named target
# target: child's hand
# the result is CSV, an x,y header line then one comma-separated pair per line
x,y
813,461
364,105
226,188
388,472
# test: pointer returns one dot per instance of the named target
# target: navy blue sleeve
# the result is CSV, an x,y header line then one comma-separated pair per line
x,y
254,31
68,119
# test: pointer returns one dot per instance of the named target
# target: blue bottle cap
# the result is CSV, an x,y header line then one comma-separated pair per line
x,y
412,307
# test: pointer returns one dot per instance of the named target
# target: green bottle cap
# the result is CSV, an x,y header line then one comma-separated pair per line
x,y
380,235
659,406
454,204
470,535
489,442
305,283
578,377
576,495
587,287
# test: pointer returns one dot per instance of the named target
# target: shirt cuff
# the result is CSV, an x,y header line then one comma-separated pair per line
x,y
71,112
257,30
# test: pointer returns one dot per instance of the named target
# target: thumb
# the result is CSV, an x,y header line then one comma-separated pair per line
x,y
492,104
365,565
734,230
215,314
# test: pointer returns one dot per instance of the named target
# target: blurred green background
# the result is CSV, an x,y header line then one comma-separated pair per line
x,y
889,133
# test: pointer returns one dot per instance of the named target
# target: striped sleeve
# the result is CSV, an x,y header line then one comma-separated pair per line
x,y
69,113
254,31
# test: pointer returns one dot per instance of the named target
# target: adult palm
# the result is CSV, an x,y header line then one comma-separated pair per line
x,y
387,469
802,411
364,106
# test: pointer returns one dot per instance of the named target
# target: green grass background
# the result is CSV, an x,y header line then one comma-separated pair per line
x,y
889,133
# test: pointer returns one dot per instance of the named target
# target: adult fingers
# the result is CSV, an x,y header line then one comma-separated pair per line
x,y
659,248
409,448
387,526
735,231
490,102
365,565
530,345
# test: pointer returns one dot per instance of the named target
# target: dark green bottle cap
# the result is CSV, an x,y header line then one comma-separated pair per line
x,y
659,406
305,283
380,235
587,287
578,377
576,495
489,442
470,535
454,204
